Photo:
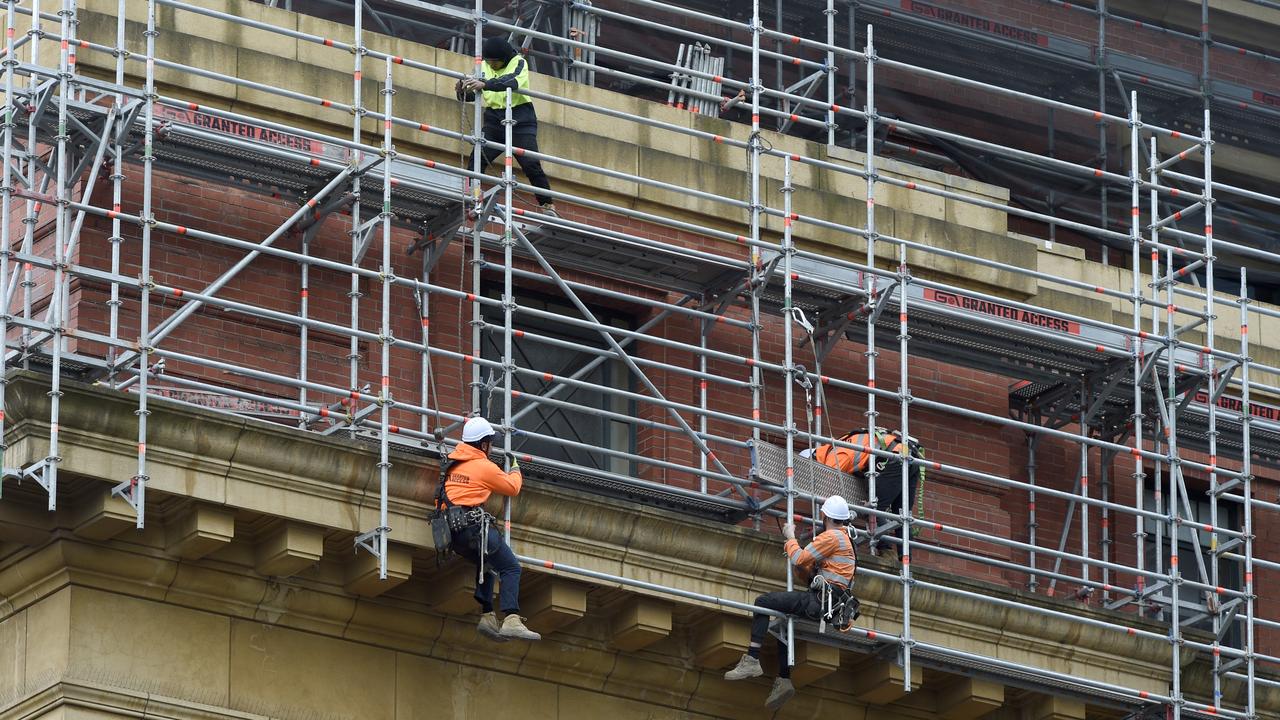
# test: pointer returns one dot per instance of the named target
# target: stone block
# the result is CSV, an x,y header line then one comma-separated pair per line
x,y
1053,707
554,604
288,549
880,682
641,622
200,530
969,698
289,673
451,590
813,661
362,571
180,652
720,642
104,516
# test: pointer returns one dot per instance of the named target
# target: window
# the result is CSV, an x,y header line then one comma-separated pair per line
x,y
1191,543
579,424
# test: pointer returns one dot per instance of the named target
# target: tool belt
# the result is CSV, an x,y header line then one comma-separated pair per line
x,y
460,517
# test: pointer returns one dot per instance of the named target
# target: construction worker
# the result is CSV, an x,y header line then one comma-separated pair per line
x,y
831,561
470,479
888,470
504,69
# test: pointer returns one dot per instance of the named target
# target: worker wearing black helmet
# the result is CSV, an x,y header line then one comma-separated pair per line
x,y
503,68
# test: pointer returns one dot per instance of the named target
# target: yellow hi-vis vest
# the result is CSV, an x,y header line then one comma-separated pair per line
x,y
514,74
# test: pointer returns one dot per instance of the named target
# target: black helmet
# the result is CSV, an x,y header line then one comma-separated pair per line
x,y
497,48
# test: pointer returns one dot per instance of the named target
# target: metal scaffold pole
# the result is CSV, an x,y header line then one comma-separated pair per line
x,y
1137,419
872,284
357,232
1246,508
788,381
6,197
375,541
134,490
508,301
1159,357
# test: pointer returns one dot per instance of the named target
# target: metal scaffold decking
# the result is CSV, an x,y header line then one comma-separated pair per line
x,y
1155,389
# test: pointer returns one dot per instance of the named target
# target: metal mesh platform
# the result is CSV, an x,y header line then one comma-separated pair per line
x,y
769,464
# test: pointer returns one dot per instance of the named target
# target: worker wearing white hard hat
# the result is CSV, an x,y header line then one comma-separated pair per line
x,y
470,479
831,560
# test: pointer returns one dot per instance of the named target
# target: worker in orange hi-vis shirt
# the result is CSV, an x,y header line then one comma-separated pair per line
x,y
470,479
830,559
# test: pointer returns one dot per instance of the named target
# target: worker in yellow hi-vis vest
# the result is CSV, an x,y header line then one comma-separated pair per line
x,y
504,69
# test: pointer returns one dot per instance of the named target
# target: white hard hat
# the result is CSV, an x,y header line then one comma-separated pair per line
x,y
477,429
836,508
806,453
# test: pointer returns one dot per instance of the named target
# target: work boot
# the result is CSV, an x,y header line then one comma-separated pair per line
x,y
747,667
489,628
782,691
513,629
549,209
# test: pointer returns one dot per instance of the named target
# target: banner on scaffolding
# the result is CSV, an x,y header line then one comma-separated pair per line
x,y
1002,311
249,131
974,22
1236,405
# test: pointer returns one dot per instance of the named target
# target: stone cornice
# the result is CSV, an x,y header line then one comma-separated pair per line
x,y
269,470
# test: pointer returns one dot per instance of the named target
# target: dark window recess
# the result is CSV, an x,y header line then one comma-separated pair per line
x,y
580,425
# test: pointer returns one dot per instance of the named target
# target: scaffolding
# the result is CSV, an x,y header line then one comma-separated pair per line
x,y
1159,389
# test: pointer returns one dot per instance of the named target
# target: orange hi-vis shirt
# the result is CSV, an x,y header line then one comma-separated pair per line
x,y
854,461
830,554
474,477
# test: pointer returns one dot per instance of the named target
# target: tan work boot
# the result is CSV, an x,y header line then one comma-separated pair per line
x,y
747,667
782,691
489,628
513,629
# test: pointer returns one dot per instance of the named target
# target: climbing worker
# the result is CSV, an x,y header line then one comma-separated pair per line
x,y
831,561
888,470
470,478
504,68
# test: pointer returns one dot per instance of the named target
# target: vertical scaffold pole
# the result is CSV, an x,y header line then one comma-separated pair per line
x,y
831,13
58,314
1246,472
788,361
757,86
357,160
32,215
1139,348
904,450
1159,442
1032,439
387,272
6,196
477,226
134,490
1213,603
508,300
1084,492
1175,478
869,161
303,335
117,196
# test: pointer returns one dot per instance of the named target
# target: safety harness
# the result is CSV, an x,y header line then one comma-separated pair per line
x,y
837,603
449,519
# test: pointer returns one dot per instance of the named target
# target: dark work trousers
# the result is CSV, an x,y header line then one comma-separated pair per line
x,y
799,603
524,134
500,560
889,486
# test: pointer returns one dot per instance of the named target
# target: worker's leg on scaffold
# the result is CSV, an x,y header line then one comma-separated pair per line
x,y
489,627
799,603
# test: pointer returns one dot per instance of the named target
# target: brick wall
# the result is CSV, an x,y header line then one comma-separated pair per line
x,y
273,346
